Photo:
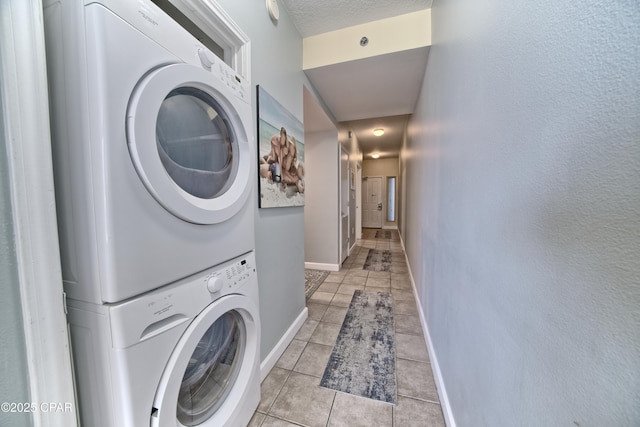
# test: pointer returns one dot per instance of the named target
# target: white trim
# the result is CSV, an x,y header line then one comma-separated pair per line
x,y
209,15
272,358
359,198
321,266
389,227
343,196
435,367
353,246
26,114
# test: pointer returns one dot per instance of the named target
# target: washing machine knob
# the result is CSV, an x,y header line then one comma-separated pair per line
x,y
214,284
206,58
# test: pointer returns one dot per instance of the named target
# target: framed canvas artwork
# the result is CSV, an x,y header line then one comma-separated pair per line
x,y
280,154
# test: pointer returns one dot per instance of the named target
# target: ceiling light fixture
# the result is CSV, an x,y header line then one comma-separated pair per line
x,y
378,132
375,156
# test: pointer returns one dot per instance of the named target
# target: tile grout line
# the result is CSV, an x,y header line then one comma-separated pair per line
x,y
333,402
355,269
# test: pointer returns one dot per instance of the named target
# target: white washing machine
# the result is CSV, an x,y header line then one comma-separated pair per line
x,y
154,155
183,355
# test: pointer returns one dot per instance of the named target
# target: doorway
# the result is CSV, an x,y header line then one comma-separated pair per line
x,y
344,204
372,202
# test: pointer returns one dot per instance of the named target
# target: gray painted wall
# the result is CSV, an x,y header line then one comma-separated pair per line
x,y
322,211
402,189
523,210
276,65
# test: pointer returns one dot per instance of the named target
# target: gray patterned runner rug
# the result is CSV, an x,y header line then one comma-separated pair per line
x,y
378,260
383,234
312,280
363,361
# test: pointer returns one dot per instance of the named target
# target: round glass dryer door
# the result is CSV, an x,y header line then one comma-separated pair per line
x,y
212,370
188,137
196,143
214,366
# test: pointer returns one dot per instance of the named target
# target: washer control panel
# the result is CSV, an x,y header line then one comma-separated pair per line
x,y
232,275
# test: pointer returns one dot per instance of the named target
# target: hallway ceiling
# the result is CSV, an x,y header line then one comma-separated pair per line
x,y
376,92
387,145
313,17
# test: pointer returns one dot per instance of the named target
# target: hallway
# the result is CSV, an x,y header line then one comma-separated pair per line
x,y
290,393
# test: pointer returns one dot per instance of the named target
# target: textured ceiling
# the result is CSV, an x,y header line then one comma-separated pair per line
x,y
313,17
379,91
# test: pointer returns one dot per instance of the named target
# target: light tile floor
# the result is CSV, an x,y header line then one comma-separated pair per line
x,y
291,395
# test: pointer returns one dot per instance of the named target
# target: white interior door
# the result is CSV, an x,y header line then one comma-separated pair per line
x,y
372,202
344,205
358,201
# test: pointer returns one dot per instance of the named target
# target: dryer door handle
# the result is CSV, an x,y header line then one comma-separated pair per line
x,y
162,325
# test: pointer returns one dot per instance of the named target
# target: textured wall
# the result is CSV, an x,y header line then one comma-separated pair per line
x,y
523,210
276,65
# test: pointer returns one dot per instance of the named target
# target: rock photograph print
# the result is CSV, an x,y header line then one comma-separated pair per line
x,y
280,154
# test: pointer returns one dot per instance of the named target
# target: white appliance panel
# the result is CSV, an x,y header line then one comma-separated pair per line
x,y
117,239
130,357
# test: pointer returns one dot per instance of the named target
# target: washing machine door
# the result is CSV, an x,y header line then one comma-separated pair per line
x,y
189,140
213,369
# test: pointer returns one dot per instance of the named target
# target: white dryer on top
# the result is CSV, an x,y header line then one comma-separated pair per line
x,y
154,153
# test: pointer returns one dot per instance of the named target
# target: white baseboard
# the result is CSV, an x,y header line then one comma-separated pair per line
x,y
435,367
389,227
320,266
272,358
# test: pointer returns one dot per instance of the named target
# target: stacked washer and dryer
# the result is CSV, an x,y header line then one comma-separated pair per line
x,y
154,164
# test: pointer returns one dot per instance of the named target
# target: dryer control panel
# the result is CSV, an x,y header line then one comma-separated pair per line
x,y
231,276
221,71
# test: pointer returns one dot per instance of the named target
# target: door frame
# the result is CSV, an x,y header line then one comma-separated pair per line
x,y
365,188
343,209
358,200
30,179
